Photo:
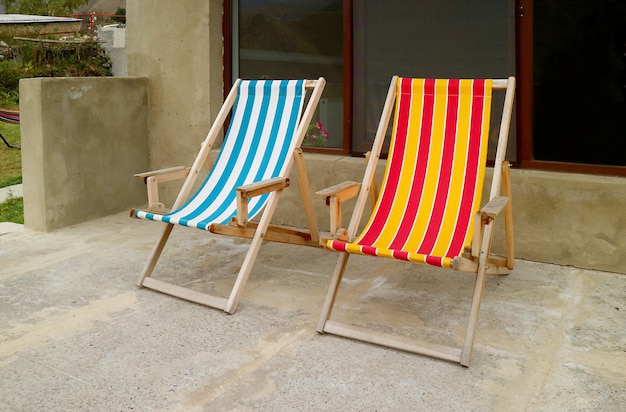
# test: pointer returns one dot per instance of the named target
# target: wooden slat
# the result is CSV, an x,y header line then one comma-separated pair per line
x,y
280,234
305,192
496,265
494,207
500,84
176,172
344,190
379,338
374,186
184,293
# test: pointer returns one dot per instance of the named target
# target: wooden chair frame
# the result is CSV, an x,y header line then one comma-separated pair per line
x,y
476,259
240,226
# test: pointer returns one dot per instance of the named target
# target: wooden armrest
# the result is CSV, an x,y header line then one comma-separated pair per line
x,y
494,207
342,191
248,191
335,195
152,180
165,175
264,186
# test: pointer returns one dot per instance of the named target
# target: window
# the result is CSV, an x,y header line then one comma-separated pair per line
x,y
358,51
280,39
445,39
572,78
568,57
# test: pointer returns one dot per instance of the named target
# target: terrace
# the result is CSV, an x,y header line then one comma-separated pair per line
x,y
78,334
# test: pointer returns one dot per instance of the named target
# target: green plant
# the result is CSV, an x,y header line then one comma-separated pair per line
x,y
315,135
10,75
81,59
12,210
50,60
120,15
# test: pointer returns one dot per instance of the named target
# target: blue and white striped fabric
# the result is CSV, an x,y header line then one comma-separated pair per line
x,y
258,145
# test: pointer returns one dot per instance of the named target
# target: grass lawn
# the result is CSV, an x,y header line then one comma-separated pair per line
x,y
10,159
11,173
12,210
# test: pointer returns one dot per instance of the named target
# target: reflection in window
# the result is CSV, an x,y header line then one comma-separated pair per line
x,y
295,39
444,38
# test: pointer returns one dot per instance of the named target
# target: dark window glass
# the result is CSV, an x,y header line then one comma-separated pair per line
x,y
579,109
295,39
444,39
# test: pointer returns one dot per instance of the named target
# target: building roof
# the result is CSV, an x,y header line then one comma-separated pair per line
x,y
27,19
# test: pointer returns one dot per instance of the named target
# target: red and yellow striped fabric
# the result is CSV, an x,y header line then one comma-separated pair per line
x,y
434,175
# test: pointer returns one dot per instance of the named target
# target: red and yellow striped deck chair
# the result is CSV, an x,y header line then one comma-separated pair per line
x,y
428,210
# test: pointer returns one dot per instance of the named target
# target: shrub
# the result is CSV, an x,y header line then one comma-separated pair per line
x,y
40,59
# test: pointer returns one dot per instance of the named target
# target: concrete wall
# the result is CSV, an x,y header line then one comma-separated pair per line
x,y
562,218
570,219
114,44
82,140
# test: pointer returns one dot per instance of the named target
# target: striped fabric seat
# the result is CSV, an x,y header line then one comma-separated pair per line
x,y
433,179
9,116
259,141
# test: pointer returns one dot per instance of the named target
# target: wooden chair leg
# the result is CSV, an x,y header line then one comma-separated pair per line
x,y
155,254
508,215
479,286
332,291
253,251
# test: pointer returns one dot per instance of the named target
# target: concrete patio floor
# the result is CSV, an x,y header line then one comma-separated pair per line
x,y
77,334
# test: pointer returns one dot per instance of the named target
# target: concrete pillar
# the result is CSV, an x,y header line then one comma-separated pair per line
x,y
178,46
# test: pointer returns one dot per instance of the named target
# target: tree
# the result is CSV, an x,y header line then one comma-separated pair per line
x,y
42,7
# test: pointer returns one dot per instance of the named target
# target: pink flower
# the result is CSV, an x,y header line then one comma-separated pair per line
x,y
318,125
324,133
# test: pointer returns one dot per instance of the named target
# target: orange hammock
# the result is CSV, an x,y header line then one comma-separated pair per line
x,y
10,116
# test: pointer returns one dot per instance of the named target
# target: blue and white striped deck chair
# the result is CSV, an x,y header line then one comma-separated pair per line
x,y
268,123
